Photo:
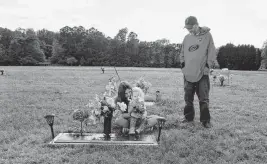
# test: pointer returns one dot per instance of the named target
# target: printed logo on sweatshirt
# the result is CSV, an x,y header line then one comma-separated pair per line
x,y
193,48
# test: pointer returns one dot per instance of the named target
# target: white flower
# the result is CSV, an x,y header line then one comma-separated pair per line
x,y
110,101
97,113
105,94
105,109
95,116
122,106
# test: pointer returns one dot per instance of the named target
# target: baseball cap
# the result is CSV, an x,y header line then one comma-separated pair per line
x,y
190,22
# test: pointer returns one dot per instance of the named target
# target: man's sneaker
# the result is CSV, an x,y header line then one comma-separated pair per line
x,y
207,124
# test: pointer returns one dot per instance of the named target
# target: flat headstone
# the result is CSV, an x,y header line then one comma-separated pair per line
x,y
149,103
98,139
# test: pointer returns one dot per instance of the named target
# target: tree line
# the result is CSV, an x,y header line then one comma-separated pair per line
x,y
90,47
241,57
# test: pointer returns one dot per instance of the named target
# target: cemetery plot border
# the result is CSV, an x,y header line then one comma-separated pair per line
x,y
99,139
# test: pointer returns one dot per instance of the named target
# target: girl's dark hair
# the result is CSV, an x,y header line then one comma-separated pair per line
x,y
121,92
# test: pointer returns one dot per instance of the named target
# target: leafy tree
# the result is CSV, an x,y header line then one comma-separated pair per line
x,y
82,61
57,53
3,56
6,36
25,47
264,56
46,38
71,60
241,57
28,60
77,45
30,33
121,36
20,32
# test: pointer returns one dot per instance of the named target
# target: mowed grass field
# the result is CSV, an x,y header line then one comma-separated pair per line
x,y
27,94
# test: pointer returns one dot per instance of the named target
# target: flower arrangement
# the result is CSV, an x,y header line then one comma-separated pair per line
x,y
107,106
111,88
144,85
100,106
94,106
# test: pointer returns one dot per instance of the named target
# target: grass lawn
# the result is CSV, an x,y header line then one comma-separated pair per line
x,y
238,111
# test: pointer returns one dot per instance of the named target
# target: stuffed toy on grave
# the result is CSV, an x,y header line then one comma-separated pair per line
x,y
108,106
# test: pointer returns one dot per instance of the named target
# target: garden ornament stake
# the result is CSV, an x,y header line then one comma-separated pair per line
x,y
109,88
161,123
81,131
50,120
117,74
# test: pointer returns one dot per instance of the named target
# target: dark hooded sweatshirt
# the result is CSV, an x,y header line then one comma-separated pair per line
x,y
198,54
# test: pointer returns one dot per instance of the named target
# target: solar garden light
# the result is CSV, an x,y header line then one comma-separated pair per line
x,y
161,123
50,120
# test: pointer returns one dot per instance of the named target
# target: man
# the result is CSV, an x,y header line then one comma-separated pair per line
x,y
196,58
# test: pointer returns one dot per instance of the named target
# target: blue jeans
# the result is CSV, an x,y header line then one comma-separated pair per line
x,y
201,88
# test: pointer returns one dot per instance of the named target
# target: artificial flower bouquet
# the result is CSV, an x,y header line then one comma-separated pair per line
x,y
107,106
111,88
122,106
144,85
103,105
80,115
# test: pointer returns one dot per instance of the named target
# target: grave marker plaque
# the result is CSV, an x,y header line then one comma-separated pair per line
x,y
99,139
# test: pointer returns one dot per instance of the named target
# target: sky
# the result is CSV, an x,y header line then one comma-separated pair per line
x,y
230,21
